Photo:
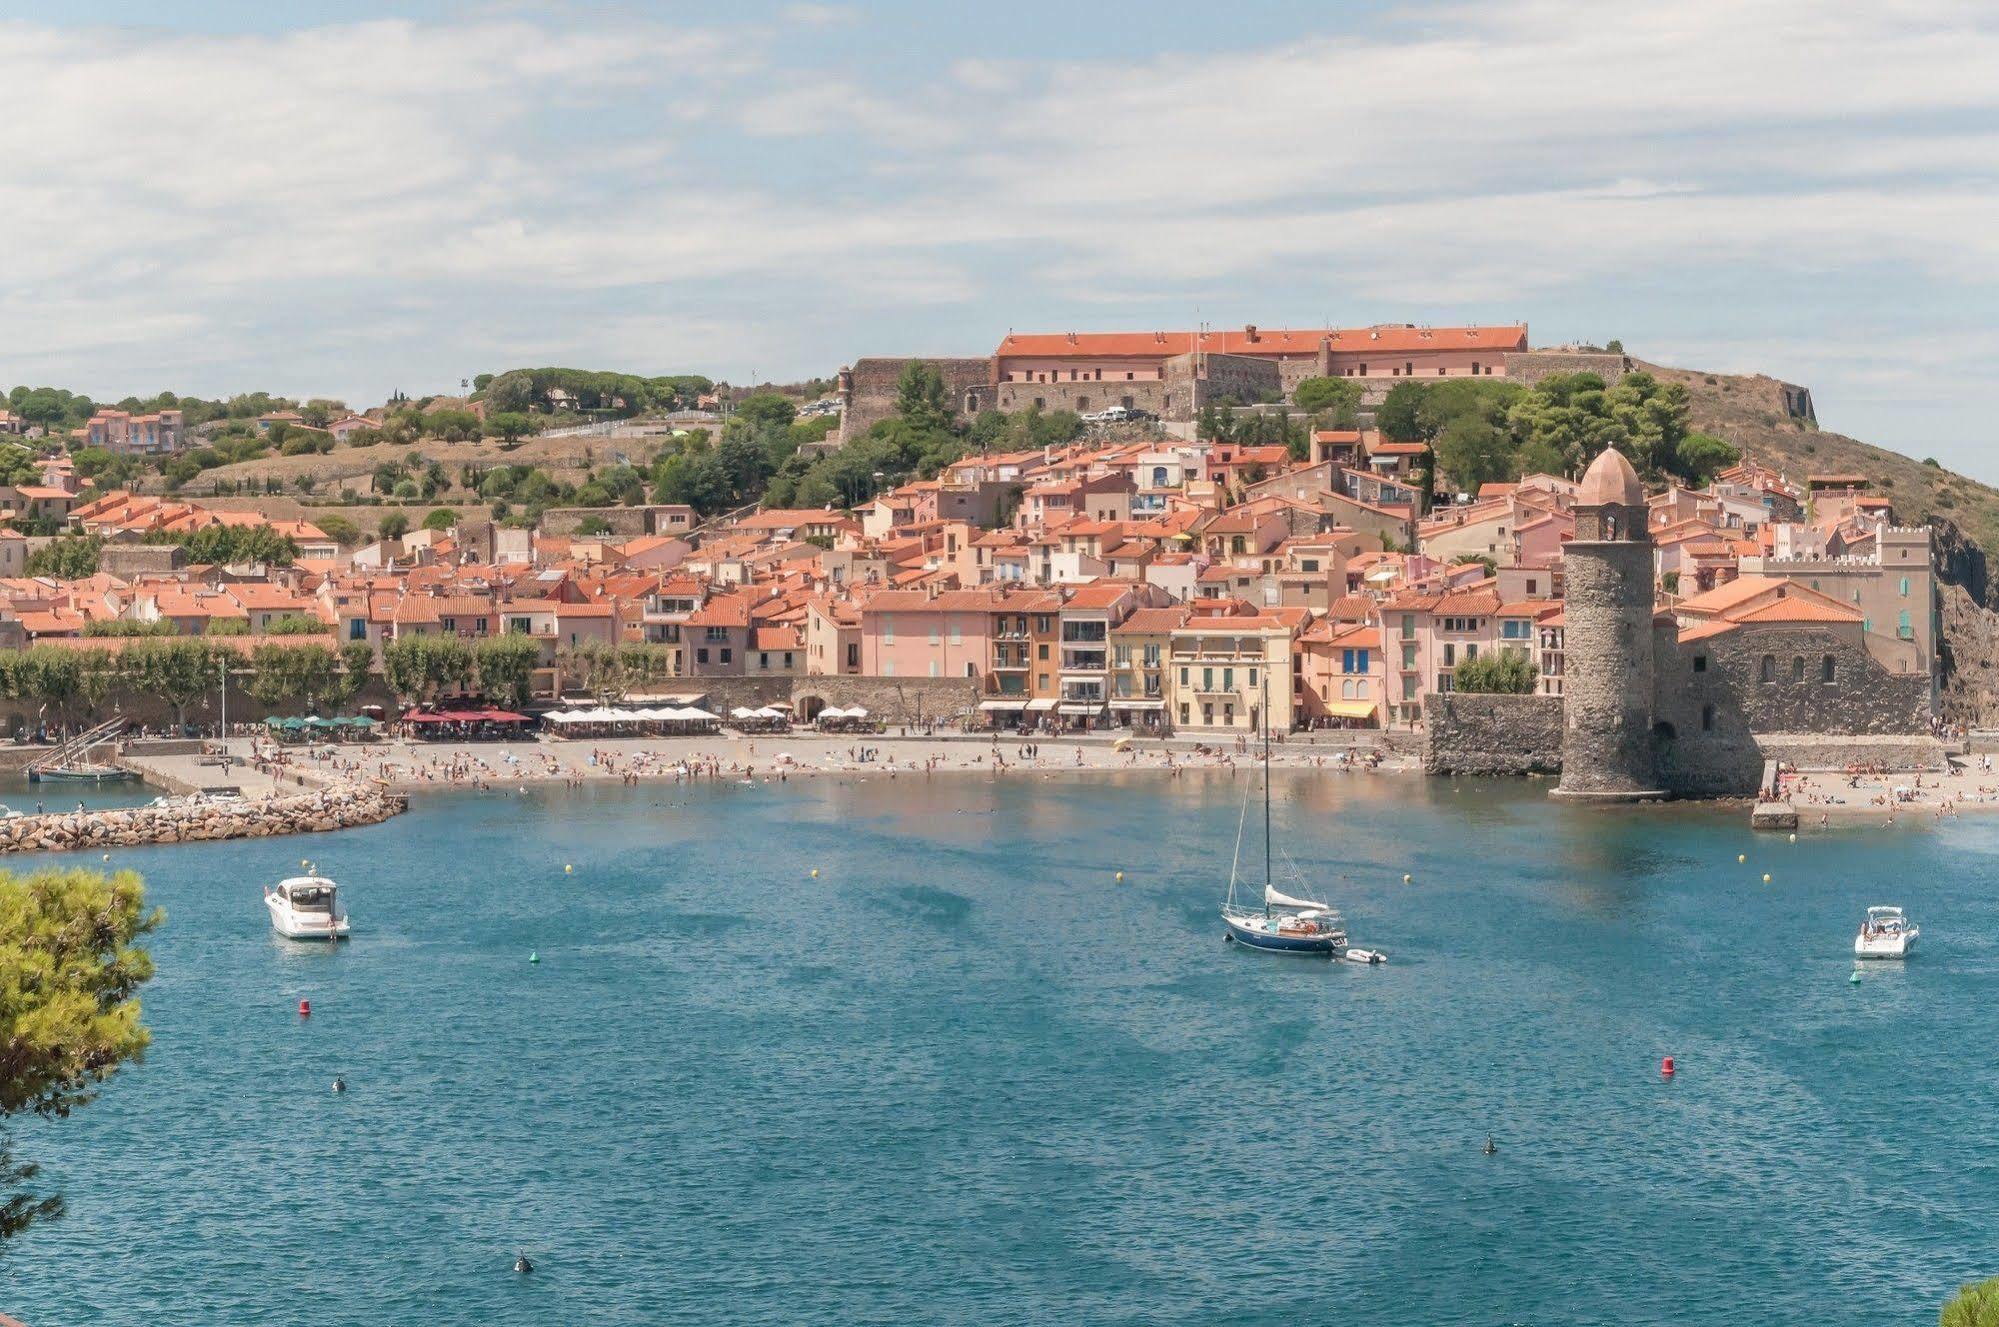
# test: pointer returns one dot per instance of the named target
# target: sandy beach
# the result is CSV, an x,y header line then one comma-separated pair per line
x,y
1825,797
778,757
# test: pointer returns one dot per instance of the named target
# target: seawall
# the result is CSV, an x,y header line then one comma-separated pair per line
x,y
344,806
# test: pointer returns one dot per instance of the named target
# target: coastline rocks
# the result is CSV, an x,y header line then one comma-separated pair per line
x,y
343,806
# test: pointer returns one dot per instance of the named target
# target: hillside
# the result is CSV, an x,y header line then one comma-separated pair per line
x,y
1749,412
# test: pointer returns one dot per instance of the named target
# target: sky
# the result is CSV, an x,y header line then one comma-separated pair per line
x,y
350,199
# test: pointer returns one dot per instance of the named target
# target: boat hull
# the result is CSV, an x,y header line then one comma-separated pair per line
x,y
1898,948
1322,946
293,926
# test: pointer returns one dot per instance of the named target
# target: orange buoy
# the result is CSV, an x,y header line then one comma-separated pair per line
x,y
305,1009
1666,1067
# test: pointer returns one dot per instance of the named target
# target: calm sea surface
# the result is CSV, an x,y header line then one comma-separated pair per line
x,y
966,1076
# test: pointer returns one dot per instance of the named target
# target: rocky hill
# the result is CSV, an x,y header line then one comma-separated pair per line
x,y
1749,412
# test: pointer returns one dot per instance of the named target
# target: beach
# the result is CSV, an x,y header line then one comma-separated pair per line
x,y
771,757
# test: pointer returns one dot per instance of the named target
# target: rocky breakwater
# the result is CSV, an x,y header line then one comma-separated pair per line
x,y
342,806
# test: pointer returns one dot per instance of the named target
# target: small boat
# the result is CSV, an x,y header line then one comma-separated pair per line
x,y
1885,934
1284,924
306,907
79,774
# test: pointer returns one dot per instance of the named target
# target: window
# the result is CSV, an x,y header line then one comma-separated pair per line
x,y
1409,687
1041,651
701,656
1828,670
357,629
1408,626
1707,718
1797,668
727,655
1767,672
957,634
1408,657
1903,627
1471,652
935,636
1450,655
1207,679
1252,679
1905,587
763,660
1700,663
853,654
1183,711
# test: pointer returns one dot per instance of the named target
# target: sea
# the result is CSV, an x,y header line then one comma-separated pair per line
x,y
949,1050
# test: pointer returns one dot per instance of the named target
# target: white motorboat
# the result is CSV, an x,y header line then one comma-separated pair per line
x,y
1887,933
306,907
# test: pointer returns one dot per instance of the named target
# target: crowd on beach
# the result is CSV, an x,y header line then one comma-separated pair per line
x,y
490,766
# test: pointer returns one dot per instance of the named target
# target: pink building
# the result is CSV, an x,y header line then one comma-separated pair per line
x,y
927,633
1427,637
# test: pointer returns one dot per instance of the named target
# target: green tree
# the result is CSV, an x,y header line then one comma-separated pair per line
x,y
443,518
919,397
281,674
417,667
70,972
1702,456
178,671
1399,416
1508,672
509,426
506,665
1972,1306
1337,395
393,525
339,529
357,659
768,408
67,559
1470,452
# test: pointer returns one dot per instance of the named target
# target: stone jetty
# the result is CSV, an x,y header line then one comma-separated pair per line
x,y
341,806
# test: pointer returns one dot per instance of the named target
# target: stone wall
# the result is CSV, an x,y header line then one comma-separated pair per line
x,y
1087,396
867,390
19,718
625,522
342,807
1530,366
1467,733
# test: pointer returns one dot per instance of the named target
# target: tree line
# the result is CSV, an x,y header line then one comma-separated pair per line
x,y
1484,430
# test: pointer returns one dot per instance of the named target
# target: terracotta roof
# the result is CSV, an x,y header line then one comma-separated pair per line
x,y
1267,341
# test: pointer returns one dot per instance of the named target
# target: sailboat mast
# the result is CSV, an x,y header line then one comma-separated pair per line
x,y
1265,711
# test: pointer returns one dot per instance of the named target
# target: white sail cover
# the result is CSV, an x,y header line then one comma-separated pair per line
x,y
1273,899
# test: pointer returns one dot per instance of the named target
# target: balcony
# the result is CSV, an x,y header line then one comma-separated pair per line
x,y
1083,661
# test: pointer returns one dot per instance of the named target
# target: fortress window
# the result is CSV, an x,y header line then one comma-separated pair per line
x,y
1707,718
1798,668
1700,663
1905,587
1828,670
1768,671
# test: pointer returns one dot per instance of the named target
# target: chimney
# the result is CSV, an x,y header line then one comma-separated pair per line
x,y
1249,332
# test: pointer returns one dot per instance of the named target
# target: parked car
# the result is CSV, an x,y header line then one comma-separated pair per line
x,y
1116,414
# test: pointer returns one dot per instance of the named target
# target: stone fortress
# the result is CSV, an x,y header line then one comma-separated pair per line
x,y
1658,706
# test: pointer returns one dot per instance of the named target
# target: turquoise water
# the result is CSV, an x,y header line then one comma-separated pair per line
x,y
965,1076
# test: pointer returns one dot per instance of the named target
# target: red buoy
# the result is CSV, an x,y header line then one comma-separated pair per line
x,y
1666,1066
305,1011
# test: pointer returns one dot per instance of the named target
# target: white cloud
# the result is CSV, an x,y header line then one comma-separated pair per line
x,y
356,199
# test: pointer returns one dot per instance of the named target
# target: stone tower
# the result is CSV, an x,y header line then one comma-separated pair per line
x,y
1607,741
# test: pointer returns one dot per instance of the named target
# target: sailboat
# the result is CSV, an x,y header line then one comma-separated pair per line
x,y
1284,924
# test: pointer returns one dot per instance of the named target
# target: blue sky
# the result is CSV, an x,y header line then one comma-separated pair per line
x,y
348,199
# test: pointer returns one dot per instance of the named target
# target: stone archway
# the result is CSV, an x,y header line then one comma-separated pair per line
x,y
806,708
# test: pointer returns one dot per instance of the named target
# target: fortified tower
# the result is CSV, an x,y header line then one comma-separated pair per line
x,y
1607,752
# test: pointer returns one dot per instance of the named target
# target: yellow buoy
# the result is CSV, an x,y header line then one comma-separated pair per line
x,y
1794,838
107,856
1766,877
567,868
1120,877
815,873
1741,856
1406,877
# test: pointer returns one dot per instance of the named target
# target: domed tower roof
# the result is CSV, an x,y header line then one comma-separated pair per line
x,y
1610,479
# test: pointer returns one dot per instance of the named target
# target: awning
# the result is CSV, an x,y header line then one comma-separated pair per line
x,y
1082,707
1136,703
990,705
1042,704
1350,709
